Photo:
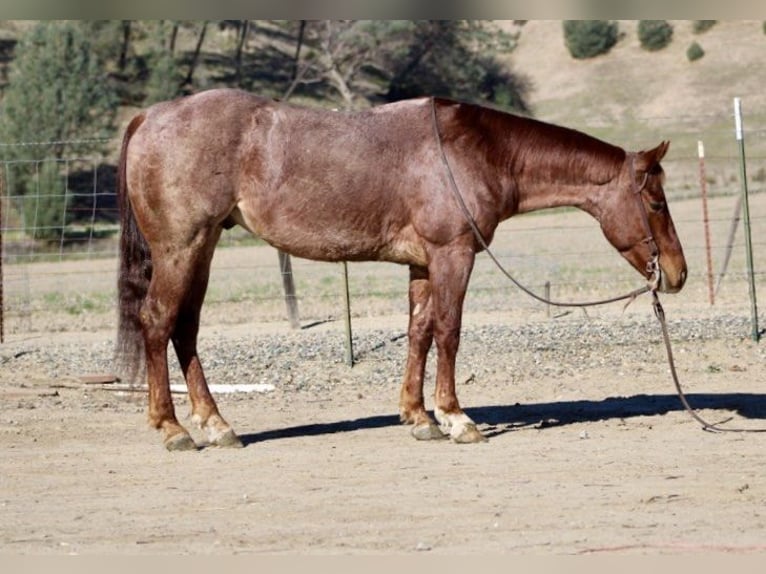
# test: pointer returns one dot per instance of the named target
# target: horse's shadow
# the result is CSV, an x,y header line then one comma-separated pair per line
x,y
500,419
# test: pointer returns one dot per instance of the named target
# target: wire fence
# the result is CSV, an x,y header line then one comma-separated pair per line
x,y
60,226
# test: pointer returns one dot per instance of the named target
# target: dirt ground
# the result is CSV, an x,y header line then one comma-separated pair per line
x,y
589,450
601,461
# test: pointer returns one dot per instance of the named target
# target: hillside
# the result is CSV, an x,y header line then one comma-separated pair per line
x,y
631,85
627,84
629,96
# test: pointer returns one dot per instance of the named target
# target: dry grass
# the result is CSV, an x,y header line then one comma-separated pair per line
x,y
245,283
630,83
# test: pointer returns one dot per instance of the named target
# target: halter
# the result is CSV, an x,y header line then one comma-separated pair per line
x,y
653,264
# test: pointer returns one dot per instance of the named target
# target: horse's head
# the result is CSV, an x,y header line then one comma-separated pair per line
x,y
639,202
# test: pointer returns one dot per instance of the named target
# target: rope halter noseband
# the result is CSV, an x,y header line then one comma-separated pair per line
x,y
653,263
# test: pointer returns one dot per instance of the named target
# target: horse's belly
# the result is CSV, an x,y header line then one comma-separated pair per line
x,y
333,242
339,246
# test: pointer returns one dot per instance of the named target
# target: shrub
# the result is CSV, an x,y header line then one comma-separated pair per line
x,y
589,38
45,203
654,34
164,82
694,52
700,26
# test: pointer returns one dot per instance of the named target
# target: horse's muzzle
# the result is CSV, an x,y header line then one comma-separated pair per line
x,y
672,280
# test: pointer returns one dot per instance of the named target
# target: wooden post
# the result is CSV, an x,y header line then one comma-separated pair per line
x,y
756,334
2,306
347,317
291,301
548,297
706,221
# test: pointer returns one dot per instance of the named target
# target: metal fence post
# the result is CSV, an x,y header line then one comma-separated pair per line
x,y
756,335
2,225
347,317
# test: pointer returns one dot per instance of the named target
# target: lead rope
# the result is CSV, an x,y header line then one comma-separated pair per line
x,y
651,287
711,427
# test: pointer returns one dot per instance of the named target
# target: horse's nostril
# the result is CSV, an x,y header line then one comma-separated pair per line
x,y
683,276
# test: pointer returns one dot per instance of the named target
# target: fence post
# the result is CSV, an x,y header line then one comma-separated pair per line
x,y
730,242
347,317
291,301
706,221
2,306
548,297
286,270
756,335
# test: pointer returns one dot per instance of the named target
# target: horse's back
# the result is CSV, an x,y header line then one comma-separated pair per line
x,y
314,182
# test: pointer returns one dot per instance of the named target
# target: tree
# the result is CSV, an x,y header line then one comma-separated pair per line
x,y
164,81
336,52
243,31
125,28
196,56
654,34
455,58
589,38
59,99
396,59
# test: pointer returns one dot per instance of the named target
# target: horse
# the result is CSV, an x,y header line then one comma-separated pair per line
x,y
354,186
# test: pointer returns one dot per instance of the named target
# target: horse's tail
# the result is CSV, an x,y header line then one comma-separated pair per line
x,y
134,274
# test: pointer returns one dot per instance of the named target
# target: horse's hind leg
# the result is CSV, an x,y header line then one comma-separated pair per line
x,y
420,335
158,317
204,409
171,309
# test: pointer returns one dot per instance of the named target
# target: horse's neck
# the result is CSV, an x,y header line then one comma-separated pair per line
x,y
553,166
535,195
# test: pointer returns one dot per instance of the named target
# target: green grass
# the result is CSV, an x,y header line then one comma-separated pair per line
x,y
77,303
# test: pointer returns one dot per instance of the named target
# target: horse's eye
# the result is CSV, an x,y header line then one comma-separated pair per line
x,y
656,205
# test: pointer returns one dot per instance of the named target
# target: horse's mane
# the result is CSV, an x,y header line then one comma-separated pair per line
x,y
547,151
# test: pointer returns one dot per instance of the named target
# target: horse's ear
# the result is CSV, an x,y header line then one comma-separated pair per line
x,y
646,160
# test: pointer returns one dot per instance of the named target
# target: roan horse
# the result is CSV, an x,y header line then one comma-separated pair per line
x,y
368,185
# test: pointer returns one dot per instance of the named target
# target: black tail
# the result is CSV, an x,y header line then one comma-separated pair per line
x,y
135,272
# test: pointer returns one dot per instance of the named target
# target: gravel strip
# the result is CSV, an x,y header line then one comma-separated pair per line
x,y
315,360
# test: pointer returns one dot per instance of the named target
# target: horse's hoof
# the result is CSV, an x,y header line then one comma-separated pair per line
x,y
180,441
229,439
467,435
427,431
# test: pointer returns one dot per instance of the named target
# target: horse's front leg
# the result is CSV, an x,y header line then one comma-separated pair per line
x,y
450,268
420,334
